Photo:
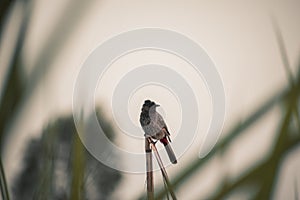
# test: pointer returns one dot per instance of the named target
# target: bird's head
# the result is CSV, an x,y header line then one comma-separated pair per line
x,y
149,106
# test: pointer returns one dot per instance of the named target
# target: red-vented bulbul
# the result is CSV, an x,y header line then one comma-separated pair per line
x,y
154,126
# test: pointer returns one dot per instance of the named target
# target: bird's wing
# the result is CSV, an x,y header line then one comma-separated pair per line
x,y
161,123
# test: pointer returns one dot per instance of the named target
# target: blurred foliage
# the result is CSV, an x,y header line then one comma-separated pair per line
x,y
13,89
57,166
17,89
263,174
4,8
13,83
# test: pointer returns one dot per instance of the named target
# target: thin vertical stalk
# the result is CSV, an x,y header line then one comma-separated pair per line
x,y
13,88
149,168
162,168
296,189
3,184
77,170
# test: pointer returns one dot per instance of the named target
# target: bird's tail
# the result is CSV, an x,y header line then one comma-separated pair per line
x,y
169,150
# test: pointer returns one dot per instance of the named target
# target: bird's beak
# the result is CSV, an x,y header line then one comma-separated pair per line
x,y
157,105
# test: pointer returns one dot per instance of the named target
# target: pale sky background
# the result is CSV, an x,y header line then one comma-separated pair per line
x,y
237,35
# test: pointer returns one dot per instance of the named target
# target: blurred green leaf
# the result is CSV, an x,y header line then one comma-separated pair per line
x,y
290,95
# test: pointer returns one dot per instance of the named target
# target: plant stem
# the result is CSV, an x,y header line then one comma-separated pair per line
x,y
3,184
286,64
149,168
162,168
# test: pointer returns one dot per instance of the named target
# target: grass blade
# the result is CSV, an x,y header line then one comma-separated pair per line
x,y
3,184
286,63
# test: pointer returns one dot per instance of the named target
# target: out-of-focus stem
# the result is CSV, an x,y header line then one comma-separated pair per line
x,y
3,184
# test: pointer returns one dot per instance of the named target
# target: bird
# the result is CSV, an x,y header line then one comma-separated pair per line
x,y
155,127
